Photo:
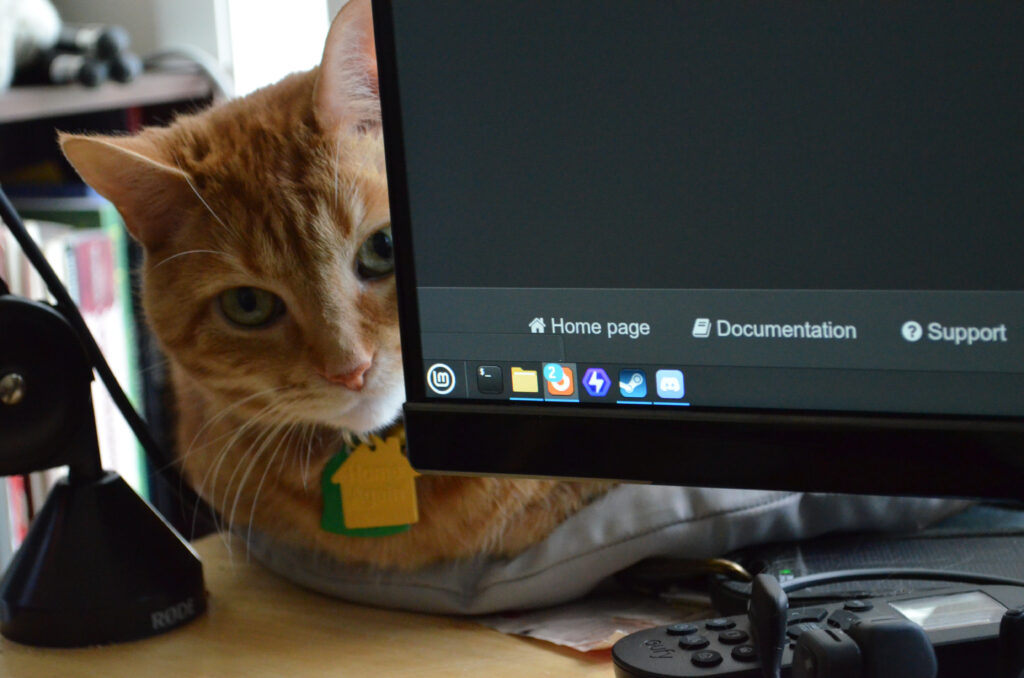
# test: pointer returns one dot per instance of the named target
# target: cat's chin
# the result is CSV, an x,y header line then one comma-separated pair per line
x,y
365,416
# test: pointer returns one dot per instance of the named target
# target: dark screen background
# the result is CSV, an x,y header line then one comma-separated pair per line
x,y
674,144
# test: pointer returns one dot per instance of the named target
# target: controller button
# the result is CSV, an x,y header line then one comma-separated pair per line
x,y
858,605
841,619
744,653
733,637
719,624
706,658
806,614
681,629
693,642
796,631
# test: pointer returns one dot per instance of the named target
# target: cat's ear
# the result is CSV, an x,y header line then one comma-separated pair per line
x,y
132,173
347,91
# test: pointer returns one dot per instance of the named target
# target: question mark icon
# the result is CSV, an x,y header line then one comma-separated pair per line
x,y
911,330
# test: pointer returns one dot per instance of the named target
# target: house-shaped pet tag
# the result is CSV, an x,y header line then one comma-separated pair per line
x,y
370,491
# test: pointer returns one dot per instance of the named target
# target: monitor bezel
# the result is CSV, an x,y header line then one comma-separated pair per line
x,y
856,452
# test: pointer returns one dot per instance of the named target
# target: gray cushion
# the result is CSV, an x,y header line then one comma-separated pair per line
x,y
630,523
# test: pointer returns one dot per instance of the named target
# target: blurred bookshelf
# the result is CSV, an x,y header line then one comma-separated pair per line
x,y
33,102
44,186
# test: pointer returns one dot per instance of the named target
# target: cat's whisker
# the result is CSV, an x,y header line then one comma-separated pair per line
x,y
155,365
307,459
352,439
224,412
282,445
199,490
262,439
366,160
223,453
209,209
181,254
291,446
337,169
214,470
253,462
256,448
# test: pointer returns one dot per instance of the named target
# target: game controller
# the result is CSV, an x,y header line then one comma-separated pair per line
x,y
961,622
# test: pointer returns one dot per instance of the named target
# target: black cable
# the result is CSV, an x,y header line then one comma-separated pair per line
x,y
867,574
767,613
738,593
67,308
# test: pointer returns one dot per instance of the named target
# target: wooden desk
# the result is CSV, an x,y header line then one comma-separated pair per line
x,y
260,625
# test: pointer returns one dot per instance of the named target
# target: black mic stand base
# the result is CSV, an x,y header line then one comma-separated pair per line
x,y
98,566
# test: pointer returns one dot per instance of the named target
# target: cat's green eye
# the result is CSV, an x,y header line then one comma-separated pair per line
x,y
376,257
250,307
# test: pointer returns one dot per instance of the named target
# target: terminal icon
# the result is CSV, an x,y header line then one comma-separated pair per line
x,y
537,326
702,328
488,380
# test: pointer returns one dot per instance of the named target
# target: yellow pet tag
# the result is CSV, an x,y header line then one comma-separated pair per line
x,y
370,491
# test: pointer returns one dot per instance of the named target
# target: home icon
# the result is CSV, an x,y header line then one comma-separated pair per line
x,y
537,326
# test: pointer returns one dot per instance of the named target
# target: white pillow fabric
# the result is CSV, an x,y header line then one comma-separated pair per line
x,y
630,523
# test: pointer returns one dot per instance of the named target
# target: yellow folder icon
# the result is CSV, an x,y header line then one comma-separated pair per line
x,y
524,381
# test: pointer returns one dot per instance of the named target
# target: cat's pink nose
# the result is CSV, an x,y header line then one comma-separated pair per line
x,y
353,379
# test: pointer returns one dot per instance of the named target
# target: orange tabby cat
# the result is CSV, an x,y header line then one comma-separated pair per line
x,y
268,283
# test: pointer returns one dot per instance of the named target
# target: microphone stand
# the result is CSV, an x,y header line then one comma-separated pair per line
x,y
99,565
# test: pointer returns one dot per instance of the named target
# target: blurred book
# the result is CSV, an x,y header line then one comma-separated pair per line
x,y
84,241
23,495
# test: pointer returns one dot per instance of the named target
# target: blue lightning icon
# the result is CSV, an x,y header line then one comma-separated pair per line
x,y
596,382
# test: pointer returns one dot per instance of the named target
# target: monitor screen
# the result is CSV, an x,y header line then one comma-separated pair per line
x,y
779,231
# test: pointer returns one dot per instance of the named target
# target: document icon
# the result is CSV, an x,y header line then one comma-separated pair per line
x,y
702,328
524,381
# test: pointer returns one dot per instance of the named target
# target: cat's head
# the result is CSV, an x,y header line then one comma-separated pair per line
x,y
268,270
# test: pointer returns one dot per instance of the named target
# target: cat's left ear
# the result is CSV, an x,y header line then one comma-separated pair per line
x,y
132,173
347,91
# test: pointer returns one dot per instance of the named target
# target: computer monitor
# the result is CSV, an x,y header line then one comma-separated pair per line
x,y
729,243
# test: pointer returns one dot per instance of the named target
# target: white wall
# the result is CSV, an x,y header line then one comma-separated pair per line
x,y
334,6
271,38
